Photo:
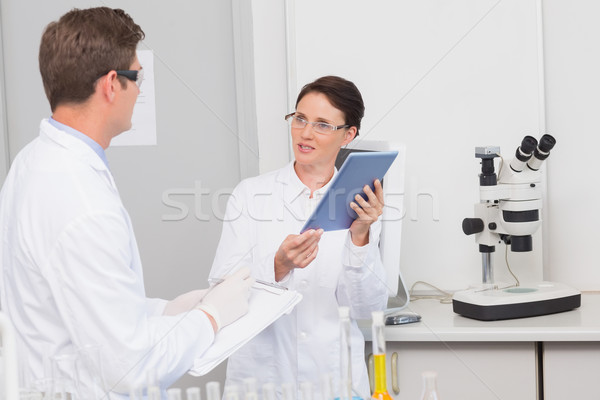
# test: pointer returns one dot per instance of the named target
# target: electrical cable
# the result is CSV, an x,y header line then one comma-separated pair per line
x,y
444,297
508,266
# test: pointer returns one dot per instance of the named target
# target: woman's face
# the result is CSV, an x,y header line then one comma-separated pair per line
x,y
312,149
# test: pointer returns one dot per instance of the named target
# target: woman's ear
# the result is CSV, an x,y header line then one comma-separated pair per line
x,y
349,136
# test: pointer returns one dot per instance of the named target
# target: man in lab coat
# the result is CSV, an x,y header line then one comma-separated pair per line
x,y
70,273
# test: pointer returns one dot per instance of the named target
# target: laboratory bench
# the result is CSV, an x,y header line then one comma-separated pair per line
x,y
550,357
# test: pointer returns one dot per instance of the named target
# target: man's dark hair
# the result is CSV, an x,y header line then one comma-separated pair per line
x,y
82,46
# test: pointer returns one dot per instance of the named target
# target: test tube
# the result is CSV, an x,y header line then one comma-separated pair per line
x,y
345,354
136,394
268,390
64,383
250,390
231,392
174,394
151,378
90,374
213,390
288,391
154,393
193,393
306,390
326,386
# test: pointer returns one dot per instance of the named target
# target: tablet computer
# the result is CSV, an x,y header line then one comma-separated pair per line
x,y
361,168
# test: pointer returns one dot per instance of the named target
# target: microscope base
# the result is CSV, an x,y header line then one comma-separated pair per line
x,y
516,302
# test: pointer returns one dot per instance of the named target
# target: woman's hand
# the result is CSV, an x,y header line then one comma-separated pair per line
x,y
296,251
367,211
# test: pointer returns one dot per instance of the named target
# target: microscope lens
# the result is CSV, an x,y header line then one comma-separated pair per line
x,y
547,142
528,145
523,153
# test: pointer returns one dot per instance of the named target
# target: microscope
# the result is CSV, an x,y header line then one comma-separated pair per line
x,y
509,212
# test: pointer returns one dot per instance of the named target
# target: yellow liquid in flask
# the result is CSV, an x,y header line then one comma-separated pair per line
x,y
380,392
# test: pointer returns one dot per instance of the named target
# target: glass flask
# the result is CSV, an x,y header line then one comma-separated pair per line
x,y
429,386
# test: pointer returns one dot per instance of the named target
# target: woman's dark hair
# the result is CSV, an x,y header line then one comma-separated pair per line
x,y
342,94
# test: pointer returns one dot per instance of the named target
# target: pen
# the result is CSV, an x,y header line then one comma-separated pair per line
x,y
214,281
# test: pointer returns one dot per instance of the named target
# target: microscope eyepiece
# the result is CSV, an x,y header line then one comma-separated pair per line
x,y
528,145
547,142
541,152
523,153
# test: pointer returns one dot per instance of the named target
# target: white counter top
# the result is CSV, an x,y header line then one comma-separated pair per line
x,y
440,323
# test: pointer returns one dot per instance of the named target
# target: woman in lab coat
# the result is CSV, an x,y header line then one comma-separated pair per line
x,y
330,269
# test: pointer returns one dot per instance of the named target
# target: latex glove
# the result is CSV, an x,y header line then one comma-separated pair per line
x,y
228,300
185,302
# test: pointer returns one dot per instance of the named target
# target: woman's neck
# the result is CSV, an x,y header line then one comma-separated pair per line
x,y
314,177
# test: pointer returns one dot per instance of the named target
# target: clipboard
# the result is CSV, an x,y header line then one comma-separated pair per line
x,y
267,303
333,211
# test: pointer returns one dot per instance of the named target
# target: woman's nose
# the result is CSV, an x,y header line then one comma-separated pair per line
x,y
307,131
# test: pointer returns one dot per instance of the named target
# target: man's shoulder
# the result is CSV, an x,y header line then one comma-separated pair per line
x,y
51,174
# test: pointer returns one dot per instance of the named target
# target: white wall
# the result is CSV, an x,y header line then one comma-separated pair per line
x,y
442,77
269,42
480,91
572,60
445,77
4,159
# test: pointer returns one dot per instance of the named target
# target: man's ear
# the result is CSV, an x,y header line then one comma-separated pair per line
x,y
107,85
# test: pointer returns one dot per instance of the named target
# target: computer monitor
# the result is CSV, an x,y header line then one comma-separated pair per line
x,y
393,214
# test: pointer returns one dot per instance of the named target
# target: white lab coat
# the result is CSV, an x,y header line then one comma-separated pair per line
x,y
304,345
71,273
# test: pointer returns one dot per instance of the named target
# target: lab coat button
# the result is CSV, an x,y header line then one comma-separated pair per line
x,y
303,335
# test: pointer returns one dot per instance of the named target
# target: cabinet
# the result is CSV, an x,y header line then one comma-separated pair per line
x,y
476,370
571,370
551,357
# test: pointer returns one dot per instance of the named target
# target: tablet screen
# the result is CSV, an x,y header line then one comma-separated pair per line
x,y
359,169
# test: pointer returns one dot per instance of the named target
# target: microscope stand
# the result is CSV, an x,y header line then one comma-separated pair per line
x,y
528,300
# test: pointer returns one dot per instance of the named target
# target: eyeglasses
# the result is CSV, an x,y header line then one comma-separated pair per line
x,y
319,127
134,75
